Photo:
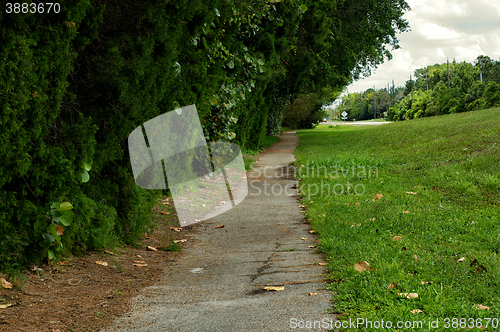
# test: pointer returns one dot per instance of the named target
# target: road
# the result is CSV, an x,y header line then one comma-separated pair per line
x,y
354,123
218,282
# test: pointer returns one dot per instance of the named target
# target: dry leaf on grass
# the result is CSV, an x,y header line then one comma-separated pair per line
x,y
63,263
361,266
108,252
415,256
313,293
180,241
408,295
140,265
322,264
411,193
393,285
426,282
396,238
163,212
312,232
274,288
220,226
5,306
140,262
5,284
406,211
416,311
481,307
461,259
378,196
102,263
151,248
177,229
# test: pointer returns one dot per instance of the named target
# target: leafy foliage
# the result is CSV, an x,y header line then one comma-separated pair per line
x,y
74,84
468,87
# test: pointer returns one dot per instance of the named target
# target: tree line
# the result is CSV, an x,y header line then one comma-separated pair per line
x,y
75,83
450,88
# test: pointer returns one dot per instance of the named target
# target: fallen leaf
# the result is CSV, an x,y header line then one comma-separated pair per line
x,y
311,246
481,307
415,256
274,288
416,311
140,265
426,282
396,238
59,229
180,241
108,252
5,284
151,248
435,188
303,238
102,263
461,259
140,262
56,330
393,285
64,263
357,203
481,268
69,24
163,212
406,211
139,256
322,264
378,196
312,232
361,266
177,229
220,226
411,192
313,293
5,306
408,295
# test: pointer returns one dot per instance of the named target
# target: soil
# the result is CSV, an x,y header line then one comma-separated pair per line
x,y
78,294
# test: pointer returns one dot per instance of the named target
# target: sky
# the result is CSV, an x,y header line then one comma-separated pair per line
x,y
440,30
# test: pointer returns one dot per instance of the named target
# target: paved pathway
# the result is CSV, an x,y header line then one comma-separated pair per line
x,y
217,282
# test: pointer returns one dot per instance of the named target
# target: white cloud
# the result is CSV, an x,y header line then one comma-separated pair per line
x,y
440,30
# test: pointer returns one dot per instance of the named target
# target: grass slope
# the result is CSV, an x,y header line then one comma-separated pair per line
x,y
433,182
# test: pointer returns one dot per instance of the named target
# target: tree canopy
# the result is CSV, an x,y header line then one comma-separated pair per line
x,y
75,83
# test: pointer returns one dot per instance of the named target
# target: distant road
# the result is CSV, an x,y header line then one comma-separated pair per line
x,y
355,123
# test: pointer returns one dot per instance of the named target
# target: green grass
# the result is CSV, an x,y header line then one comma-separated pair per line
x,y
439,181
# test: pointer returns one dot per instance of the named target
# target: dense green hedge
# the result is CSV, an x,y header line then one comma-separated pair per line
x,y
74,84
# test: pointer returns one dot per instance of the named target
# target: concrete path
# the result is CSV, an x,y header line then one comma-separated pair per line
x,y
217,282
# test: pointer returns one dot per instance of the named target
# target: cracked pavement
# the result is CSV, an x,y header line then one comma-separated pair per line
x,y
217,284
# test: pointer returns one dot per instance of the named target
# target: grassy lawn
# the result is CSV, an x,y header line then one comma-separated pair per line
x,y
419,201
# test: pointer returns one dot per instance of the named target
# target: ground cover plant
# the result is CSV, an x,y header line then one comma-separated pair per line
x,y
408,214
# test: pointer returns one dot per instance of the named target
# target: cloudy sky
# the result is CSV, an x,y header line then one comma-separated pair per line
x,y
440,29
